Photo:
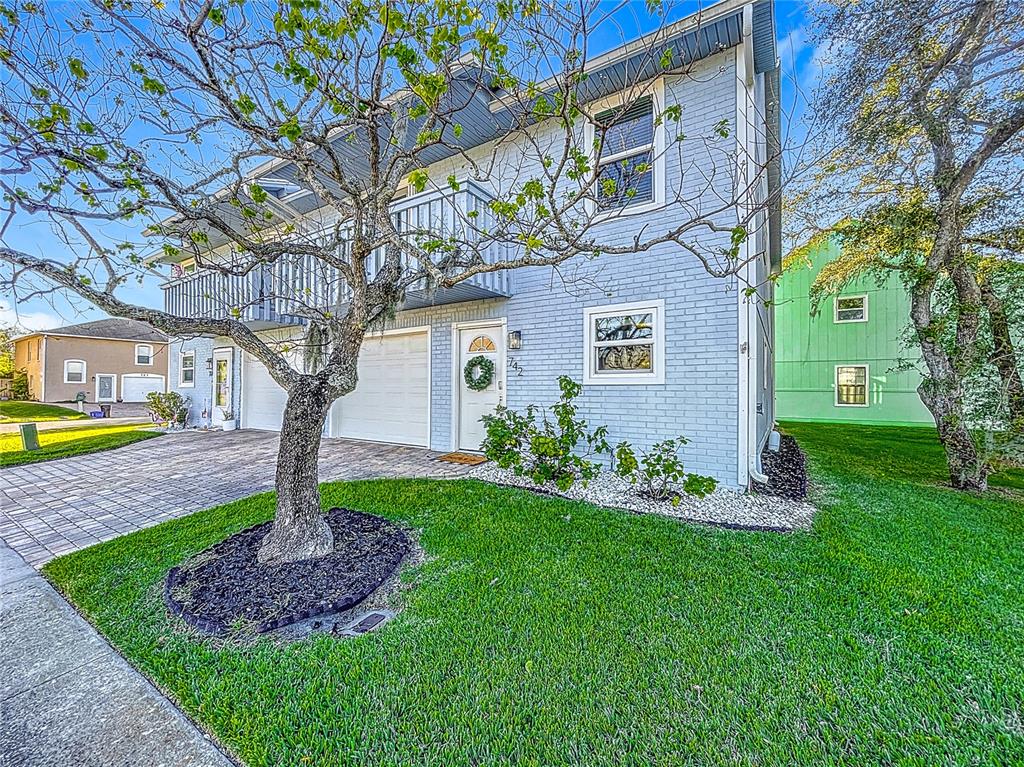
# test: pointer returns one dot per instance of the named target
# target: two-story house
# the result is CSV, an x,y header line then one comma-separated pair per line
x,y
109,360
849,360
698,359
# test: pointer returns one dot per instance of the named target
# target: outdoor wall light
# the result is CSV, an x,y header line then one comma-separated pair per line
x,y
515,339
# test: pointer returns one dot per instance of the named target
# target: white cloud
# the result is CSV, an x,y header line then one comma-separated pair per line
x,y
28,319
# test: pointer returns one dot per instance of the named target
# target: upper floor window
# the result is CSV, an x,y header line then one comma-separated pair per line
x,y
852,308
624,343
187,369
852,385
630,161
74,371
143,354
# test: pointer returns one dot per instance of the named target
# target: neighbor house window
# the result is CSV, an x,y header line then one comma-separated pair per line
x,y
143,354
74,371
852,309
630,159
187,369
624,343
852,385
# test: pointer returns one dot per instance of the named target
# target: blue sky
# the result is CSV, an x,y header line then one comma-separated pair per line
x,y
800,69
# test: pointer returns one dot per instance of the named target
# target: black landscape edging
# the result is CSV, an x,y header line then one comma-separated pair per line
x,y
347,521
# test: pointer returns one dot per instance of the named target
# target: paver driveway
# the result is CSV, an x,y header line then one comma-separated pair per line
x,y
51,508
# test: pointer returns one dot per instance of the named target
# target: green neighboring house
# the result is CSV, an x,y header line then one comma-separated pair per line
x,y
843,364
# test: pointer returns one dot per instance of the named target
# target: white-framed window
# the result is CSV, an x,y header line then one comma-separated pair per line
x,y
632,158
852,385
187,369
624,343
74,371
143,354
851,309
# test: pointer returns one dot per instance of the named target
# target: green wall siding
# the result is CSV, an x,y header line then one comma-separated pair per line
x,y
809,348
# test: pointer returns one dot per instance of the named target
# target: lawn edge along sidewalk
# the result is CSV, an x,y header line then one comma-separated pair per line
x,y
69,697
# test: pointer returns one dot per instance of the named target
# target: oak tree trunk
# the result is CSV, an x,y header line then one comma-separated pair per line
x,y
300,530
1004,355
941,394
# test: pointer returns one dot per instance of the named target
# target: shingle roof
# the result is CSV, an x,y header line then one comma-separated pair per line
x,y
115,327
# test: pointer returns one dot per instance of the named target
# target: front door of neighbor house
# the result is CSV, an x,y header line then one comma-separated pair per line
x,y
221,387
486,341
106,385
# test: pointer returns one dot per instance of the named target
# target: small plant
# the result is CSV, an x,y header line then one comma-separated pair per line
x,y
227,413
557,450
660,470
169,407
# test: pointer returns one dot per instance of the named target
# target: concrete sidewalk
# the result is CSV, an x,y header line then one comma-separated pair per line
x,y
66,698
9,428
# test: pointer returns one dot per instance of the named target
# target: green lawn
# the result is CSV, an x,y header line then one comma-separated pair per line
x,y
545,632
15,411
63,443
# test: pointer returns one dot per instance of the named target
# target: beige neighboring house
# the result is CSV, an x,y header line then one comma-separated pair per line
x,y
113,360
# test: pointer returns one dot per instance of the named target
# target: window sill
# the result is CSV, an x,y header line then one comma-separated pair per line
x,y
601,217
638,380
186,385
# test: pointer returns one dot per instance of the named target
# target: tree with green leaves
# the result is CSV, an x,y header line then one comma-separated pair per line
x,y
247,137
925,104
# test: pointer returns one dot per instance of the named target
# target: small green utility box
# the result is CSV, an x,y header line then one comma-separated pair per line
x,y
29,436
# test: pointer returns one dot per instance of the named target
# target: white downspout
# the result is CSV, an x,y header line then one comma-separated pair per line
x,y
745,81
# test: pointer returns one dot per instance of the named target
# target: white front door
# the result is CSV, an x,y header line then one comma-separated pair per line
x,y
221,386
106,387
486,341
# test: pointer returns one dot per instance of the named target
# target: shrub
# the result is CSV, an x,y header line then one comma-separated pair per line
x,y
551,450
660,470
169,407
19,385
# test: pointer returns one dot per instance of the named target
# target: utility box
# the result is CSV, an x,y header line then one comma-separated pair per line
x,y
29,436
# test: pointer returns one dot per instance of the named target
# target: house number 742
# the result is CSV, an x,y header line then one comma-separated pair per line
x,y
513,364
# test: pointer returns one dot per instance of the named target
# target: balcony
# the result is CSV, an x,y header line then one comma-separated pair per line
x,y
274,295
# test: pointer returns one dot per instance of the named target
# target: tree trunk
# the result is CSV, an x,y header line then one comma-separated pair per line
x,y
1004,355
299,531
941,394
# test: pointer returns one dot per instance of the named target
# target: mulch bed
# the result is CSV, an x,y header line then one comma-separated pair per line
x,y
786,470
224,588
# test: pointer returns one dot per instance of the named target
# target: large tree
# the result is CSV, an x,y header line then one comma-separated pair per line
x,y
251,138
924,99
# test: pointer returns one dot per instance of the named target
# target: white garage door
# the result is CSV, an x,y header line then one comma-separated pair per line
x,y
262,399
390,402
135,386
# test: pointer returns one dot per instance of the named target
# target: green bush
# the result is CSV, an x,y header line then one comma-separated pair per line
x,y
554,449
19,385
660,470
169,407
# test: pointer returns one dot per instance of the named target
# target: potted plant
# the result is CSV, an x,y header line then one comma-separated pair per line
x,y
229,419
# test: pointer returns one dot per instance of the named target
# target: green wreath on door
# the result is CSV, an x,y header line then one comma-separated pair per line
x,y
479,373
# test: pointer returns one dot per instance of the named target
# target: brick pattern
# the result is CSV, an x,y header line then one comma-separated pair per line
x,y
55,507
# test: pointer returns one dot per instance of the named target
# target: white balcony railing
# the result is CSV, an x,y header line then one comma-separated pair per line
x,y
277,293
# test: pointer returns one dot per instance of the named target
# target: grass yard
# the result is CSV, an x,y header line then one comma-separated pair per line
x,y
547,632
15,411
64,443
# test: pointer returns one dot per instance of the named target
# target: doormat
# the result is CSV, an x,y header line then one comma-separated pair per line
x,y
467,459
